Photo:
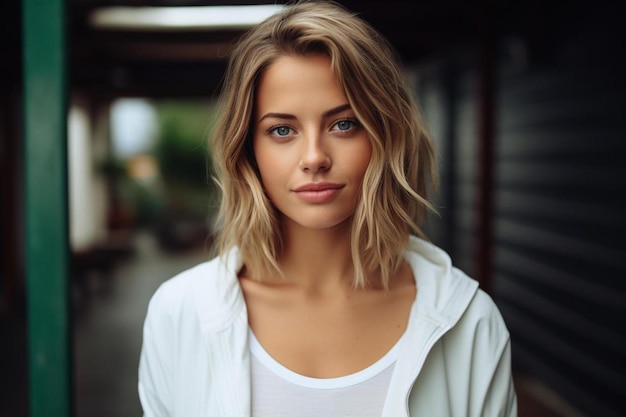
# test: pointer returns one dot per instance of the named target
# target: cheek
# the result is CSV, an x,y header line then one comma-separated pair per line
x,y
362,158
269,166
261,159
261,156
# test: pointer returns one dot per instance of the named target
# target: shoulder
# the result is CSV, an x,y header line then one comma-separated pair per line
x,y
173,303
443,291
480,334
176,290
208,292
482,311
448,295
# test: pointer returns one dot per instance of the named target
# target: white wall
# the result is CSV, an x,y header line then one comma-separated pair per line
x,y
87,187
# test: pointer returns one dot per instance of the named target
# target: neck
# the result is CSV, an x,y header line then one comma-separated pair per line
x,y
317,259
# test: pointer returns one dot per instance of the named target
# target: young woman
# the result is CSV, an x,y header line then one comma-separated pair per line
x,y
322,300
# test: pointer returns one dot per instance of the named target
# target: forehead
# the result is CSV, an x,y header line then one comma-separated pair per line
x,y
290,79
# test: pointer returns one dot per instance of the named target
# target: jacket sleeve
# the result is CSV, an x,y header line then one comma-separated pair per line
x,y
500,398
155,367
491,379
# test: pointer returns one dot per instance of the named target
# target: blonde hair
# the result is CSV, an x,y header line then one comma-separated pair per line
x,y
393,200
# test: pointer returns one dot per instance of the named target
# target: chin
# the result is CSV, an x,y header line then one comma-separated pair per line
x,y
326,223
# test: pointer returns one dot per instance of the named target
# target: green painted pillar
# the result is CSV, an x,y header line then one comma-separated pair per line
x,y
47,254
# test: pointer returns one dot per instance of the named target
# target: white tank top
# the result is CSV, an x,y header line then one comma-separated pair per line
x,y
279,392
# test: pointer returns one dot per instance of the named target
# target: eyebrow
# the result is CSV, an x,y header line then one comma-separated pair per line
x,y
289,116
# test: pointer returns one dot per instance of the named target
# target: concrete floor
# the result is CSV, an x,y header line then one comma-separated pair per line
x,y
108,316
108,325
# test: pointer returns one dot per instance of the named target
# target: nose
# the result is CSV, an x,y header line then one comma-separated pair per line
x,y
315,157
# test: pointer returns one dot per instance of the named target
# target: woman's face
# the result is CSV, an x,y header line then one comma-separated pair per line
x,y
311,150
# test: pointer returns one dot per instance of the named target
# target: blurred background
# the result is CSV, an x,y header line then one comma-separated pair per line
x,y
525,100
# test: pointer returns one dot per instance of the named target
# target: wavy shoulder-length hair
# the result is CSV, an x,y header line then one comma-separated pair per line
x,y
393,200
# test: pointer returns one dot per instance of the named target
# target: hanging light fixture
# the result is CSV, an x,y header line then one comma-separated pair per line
x,y
188,18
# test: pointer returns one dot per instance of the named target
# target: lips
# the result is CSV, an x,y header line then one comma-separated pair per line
x,y
320,186
318,192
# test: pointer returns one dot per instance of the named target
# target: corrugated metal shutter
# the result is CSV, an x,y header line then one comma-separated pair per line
x,y
447,97
560,215
560,229
466,172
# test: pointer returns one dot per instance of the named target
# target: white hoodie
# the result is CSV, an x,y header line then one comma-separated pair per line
x,y
455,361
